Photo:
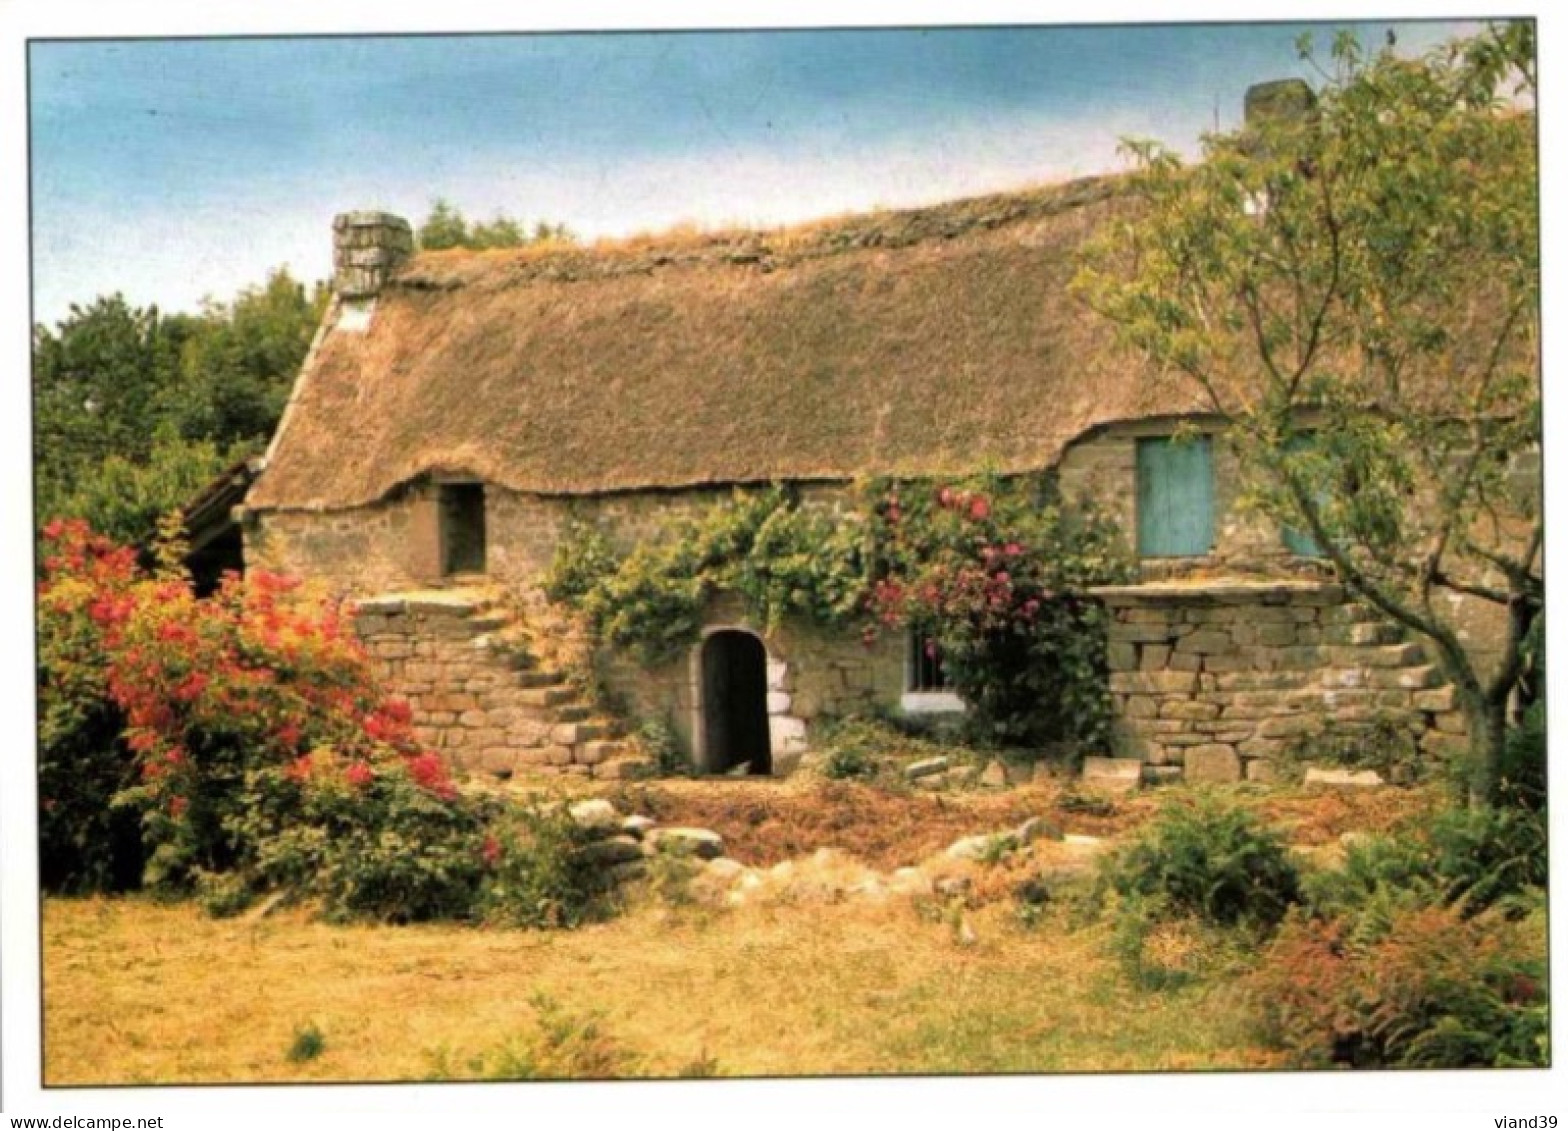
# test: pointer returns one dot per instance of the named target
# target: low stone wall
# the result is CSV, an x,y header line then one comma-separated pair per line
x,y
1210,682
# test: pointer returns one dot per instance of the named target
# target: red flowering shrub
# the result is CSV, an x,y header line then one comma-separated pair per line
x,y
994,572
84,844
173,700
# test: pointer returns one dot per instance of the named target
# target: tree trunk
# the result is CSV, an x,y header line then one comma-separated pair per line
x,y
1488,722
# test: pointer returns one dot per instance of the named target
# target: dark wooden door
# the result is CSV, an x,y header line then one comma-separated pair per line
x,y
735,703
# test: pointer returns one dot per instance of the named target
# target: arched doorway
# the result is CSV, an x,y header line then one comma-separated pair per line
x,y
735,704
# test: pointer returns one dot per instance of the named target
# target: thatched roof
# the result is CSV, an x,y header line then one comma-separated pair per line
x,y
926,342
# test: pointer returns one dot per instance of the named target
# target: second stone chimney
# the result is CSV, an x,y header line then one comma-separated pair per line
x,y
366,248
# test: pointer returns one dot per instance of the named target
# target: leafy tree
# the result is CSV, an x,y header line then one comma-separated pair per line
x,y
443,228
135,411
98,380
446,227
124,497
1355,291
240,360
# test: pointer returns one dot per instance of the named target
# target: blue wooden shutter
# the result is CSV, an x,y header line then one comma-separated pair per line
x,y
1301,542
1175,498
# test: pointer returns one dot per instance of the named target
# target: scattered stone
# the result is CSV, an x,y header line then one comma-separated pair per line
x,y
925,768
1117,774
909,881
952,885
961,775
994,776
980,847
724,869
1334,777
1083,846
265,907
637,826
705,844
630,870
965,934
1036,828
615,850
596,814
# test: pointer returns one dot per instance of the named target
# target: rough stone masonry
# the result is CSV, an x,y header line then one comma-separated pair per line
x,y
1212,680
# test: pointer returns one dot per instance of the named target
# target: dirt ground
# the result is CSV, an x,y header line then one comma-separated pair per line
x,y
765,822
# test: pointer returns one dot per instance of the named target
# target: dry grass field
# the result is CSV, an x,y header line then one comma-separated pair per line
x,y
143,992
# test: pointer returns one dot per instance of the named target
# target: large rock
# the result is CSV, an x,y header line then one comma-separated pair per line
x,y
925,768
1036,828
1119,774
615,850
596,814
637,826
705,844
981,847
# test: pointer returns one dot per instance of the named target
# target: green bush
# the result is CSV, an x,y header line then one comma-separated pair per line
x,y
657,739
1470,859
538,874
375,846
1208,860
1522,770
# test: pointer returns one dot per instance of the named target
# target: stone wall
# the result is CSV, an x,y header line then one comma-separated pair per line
x,y
811,674
1212,681
483,706
376,548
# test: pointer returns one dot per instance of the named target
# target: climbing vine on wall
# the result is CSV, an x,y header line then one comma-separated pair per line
x,y
784,559
992,571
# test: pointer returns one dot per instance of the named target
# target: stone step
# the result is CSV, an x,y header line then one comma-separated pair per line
x,y
573,712
492,620
548,695
597,752
575,733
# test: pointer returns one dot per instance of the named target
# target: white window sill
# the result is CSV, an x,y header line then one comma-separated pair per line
x,y
931,703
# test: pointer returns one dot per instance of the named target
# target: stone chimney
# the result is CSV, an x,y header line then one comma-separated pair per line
x,y
366,248
1282,100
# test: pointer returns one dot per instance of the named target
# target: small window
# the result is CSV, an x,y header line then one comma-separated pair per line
x,y
1175,497
462,528
927,689
926,672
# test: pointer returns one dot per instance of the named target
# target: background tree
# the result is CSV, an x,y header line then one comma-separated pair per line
x,y
446,227
135,411
1355,290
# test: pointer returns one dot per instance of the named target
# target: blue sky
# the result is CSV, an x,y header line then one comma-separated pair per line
x,y
173,169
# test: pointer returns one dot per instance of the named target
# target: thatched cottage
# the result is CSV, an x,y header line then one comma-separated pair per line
x,y
457,408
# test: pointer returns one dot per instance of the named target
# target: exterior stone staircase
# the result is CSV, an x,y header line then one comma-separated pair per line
x,y
481,693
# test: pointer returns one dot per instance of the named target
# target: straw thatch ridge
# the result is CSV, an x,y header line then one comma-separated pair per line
x,y
926,342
